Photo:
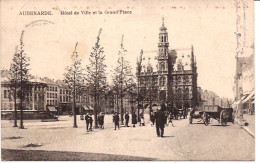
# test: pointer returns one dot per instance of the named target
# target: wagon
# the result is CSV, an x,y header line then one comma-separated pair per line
x,y
222,115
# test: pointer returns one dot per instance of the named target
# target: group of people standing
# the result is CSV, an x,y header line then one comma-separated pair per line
x,y
116,119
159,118
89,121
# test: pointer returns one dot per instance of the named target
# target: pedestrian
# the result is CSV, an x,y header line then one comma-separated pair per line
x,y
101,120
160,121
126,119
134,119
87,121
185,113
116,120
163,107
142,119
90,121
166,117
171,118
152,118
176,112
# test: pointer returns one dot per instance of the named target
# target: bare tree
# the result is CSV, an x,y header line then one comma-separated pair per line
x,y
13,79
139,69
21,68
96,73
123,75
74,77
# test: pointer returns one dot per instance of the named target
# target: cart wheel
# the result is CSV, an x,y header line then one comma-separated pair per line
x,y
205,119
223,117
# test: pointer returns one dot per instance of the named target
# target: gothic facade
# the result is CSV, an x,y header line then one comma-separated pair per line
x,y
173,77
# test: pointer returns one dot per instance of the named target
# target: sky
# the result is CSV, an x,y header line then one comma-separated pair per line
x,y
209,26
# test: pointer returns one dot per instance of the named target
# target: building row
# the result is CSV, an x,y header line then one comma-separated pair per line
x,y
211,98
244,82
44,93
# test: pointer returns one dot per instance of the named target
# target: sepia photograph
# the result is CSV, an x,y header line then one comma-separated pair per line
x,y
127,80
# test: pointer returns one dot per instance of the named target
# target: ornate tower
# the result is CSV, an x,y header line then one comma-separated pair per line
x,y
163,55
194,101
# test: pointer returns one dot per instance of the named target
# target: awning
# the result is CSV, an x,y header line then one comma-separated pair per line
x,y
236,103
85,107
52,108
244,97
248,97
90,107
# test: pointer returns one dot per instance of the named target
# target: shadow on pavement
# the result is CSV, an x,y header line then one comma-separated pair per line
x,y
219,125
168,136
41,155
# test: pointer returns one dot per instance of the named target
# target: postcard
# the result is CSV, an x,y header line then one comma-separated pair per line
x,y
127,80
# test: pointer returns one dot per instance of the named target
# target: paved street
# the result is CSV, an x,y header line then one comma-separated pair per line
x,y
251,121
184,141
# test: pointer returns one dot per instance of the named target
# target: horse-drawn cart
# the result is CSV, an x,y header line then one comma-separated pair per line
x,y
222,115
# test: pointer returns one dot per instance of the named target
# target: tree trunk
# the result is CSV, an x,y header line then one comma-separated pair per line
x,y
22,94
138,100
74,103
95,112
122,109
15,108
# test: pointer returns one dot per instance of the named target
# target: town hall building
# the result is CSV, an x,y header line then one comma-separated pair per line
x,y
171,79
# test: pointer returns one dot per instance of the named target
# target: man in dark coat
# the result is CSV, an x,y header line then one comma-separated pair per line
x,y
134,119
160,121
87,121
126,119
90,121
152,117
185,113
116,120
176,112
163,107
101,120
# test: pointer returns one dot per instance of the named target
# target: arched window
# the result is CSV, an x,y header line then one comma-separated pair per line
x,y
162,81
162,67
179,79
162,95
179,93
164,38
143,92
186,92
186,80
